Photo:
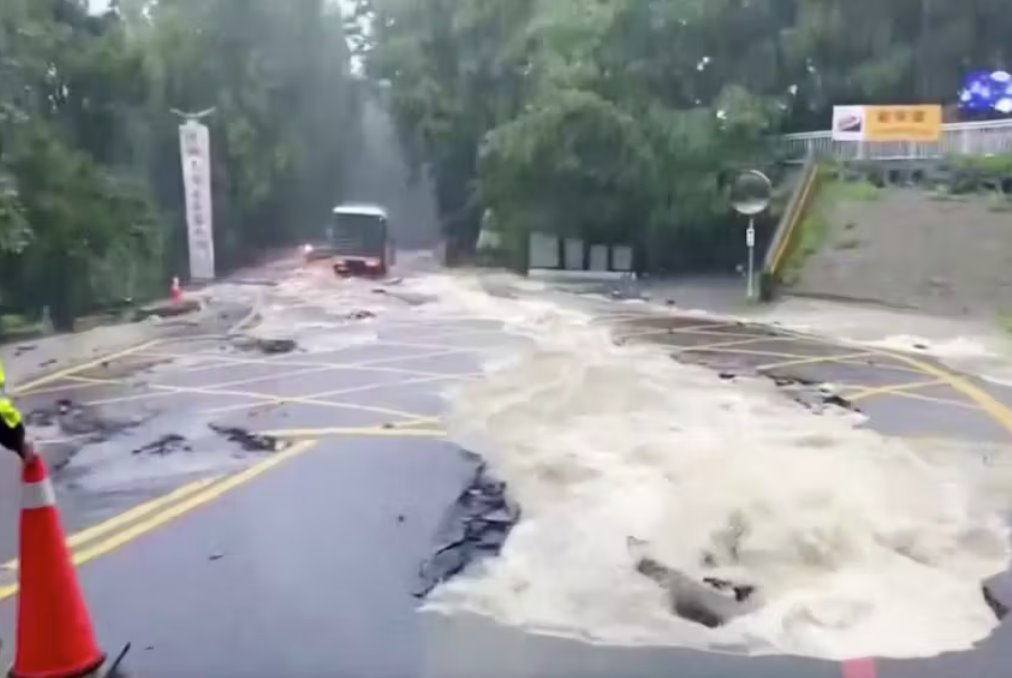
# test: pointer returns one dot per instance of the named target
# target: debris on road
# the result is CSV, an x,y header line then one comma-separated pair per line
x,y
275,346
475,527
814,395
999,608
360,314
215,556
250,442
167,310
164,446
712,603
24,348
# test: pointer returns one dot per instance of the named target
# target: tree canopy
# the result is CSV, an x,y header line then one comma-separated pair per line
x,y
91,201
619,119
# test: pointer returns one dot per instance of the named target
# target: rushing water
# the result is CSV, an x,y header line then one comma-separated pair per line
x,y
855,544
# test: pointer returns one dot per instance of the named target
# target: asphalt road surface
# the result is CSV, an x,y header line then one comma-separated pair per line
x,y
214,557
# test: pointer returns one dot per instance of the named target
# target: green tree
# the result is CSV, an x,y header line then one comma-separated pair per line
x,y
530,86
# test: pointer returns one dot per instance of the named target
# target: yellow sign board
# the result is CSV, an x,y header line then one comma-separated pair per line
x,y
887,123
904,123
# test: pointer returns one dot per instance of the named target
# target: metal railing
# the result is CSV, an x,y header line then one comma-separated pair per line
x,y
991,137
785,237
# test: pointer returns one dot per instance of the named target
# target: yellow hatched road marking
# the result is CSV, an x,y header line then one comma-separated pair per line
x,y
280,400
798,361
894,389
725,344
26,388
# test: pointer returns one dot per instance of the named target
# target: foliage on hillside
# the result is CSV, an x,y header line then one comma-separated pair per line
x,y
621,119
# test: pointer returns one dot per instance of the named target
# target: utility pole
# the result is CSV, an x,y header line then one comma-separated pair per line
x,y
925,60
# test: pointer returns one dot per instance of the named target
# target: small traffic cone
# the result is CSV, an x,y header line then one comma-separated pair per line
x,y
54,634
176,292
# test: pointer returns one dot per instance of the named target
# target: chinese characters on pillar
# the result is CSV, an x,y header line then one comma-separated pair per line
x,y
195,148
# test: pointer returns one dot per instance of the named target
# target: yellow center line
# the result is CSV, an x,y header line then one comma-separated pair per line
x,y
94,532
358,432
194,500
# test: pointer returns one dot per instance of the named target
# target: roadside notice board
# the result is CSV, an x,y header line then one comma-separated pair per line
x,y
887,123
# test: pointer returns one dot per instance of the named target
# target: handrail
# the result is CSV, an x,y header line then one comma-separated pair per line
x,y
948,127
785,237
981,138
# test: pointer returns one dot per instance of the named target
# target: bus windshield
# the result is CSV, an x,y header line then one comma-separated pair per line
x,y
359,234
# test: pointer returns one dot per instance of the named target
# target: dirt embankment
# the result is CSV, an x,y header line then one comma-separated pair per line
x,y
908,248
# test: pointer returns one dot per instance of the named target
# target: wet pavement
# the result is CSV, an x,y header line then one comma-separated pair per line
x,y
215,557
903,394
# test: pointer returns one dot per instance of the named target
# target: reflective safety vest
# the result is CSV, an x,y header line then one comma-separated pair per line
x,y
8,413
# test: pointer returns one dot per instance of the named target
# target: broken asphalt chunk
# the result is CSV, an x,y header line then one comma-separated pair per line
x,y
475,527
712,603
999,608
164,446
276,346
250,442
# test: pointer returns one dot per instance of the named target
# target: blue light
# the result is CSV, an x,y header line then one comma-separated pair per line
x,y
987,92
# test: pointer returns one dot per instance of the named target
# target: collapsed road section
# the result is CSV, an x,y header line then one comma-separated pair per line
x,y
757,526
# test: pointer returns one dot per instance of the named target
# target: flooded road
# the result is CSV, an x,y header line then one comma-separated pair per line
x,y
264,502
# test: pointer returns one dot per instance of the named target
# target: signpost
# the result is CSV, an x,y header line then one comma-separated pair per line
x,y
887,123
750,195
195,154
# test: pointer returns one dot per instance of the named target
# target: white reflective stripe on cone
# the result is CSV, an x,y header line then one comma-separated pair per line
x,y
37,495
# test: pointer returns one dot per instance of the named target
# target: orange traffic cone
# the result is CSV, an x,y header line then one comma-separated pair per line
x,y
176,292
54,634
